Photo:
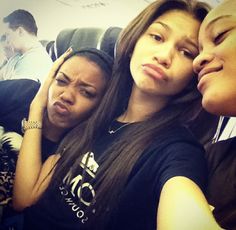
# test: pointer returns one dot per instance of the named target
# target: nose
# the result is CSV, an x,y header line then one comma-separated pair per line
x,y
164,56
3,38
202,60
68,96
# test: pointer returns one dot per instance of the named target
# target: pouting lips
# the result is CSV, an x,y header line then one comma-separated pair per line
x,y
61,108
154,71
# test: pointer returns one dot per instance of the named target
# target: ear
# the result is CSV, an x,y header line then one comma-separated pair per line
x,y
20,30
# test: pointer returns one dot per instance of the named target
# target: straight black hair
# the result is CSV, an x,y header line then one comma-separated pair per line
x,y
101,58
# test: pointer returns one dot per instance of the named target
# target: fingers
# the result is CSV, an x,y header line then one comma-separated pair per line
x,y
59,62
61,59
42,95
67,52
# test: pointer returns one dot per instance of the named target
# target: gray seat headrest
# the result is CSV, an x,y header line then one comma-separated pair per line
x,y
100,38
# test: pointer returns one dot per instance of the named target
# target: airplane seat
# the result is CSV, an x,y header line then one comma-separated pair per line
x,y
100,38
44,42
48,45
62,42
50,49
109,39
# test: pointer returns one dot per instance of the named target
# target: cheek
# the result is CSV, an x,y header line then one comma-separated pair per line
x,y
13,39
140,51
50,94
135,65
53,93
132,66
185,74
228,46
212,99
229,66
83,109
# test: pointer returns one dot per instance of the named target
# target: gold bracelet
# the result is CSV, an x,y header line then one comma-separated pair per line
x,y
25,125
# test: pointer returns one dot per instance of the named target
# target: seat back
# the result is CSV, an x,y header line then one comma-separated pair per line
x,y
109,39
100,38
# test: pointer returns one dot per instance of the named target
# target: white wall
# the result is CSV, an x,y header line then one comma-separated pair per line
x,y
55,15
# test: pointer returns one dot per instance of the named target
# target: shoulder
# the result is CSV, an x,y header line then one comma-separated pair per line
x,y
178,153
176,136
179,144
35,56
221,156
34,64
14,59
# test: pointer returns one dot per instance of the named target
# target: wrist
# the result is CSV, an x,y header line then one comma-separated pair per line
x,y
36,112
30,124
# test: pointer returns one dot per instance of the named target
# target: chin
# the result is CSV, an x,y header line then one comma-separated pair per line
x,y
59,124
218,107
211,105
63,125
219,102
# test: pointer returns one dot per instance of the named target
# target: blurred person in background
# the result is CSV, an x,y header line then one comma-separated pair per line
x,y
31,60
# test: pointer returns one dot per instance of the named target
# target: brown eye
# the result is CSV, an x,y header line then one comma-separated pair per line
x,y
87,93
157,37
188,54
220,38
60,81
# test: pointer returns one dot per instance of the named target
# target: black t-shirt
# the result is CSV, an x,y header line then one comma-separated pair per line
x,y
180,155
221,191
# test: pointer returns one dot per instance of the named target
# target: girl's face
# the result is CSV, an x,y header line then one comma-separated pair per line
x,y
161,64
216,63
76,90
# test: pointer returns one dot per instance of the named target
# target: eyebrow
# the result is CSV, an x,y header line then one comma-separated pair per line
x,y
188,40
164,25
81,82
64,75
216,19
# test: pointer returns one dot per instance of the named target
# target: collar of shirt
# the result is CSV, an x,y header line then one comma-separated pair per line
x,y
229,131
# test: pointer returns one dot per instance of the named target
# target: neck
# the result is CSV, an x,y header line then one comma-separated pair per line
x,y
51,132
141,106
29,42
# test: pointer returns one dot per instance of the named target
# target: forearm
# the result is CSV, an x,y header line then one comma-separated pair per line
x,y
29,163
32,177
183,206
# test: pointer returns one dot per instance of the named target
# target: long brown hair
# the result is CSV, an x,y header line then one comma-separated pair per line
x,y
122,155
